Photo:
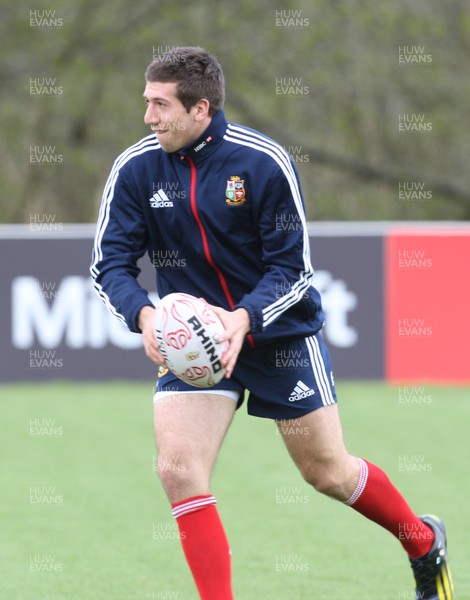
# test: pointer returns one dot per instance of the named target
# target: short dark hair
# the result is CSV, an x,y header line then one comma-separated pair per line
x,y
197,74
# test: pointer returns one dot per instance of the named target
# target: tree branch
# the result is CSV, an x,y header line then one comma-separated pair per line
x,y
356,168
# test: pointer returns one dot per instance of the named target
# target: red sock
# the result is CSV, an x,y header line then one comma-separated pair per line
x,y
377,498
205,546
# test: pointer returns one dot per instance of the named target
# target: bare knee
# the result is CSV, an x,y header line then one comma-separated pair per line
x,y
171,470
324,480
334,479
181,477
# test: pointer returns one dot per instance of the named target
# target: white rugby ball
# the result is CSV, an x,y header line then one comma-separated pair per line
x,y
186,329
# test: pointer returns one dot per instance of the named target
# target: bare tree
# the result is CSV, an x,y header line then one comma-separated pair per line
x,y
369,98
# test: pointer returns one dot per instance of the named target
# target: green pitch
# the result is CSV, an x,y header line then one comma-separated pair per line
x,y
83,516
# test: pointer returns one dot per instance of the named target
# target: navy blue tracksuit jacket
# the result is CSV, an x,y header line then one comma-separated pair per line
x,y
222,219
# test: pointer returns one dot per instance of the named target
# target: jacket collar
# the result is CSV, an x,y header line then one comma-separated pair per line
x,y
208,142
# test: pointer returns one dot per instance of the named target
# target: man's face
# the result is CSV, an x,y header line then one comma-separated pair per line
x,y
168,118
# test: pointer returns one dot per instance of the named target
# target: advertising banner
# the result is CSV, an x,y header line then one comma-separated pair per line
x,y
56,327
427,310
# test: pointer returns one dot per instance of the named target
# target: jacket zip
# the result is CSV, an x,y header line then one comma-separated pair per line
x,y
205,243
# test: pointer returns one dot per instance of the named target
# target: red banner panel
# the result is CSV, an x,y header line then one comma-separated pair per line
x,y
427,306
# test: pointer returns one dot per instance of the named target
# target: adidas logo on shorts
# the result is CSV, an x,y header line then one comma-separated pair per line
x,y
300,392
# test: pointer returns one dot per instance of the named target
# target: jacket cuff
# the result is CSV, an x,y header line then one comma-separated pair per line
x,y
256,321
134,315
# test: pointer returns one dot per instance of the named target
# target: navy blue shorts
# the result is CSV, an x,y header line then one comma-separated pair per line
x,y
284,381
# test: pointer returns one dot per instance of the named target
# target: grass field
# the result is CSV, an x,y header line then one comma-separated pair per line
x,y
83,516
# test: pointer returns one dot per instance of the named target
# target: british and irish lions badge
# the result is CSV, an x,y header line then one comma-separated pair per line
x,y
235,191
